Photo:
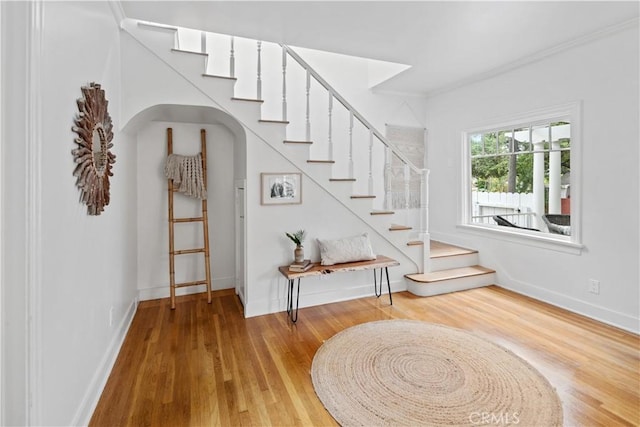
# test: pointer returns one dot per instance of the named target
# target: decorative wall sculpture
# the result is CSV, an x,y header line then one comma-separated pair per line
x,y
93,158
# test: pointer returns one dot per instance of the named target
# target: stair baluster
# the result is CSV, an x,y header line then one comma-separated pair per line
x,y
308,123
259,87
330,130
284,84
370,180
350,144
424,219
232,60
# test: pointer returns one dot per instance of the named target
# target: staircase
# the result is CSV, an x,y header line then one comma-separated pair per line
x,y
438,266
452,269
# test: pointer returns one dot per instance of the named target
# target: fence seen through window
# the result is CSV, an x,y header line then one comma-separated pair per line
x,y
521,177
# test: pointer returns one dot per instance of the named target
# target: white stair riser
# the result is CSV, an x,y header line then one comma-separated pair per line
x,y
382,222
342,190
216,85
455,261
272,132
321,172
415,253
188,63
399,237
362,207
244,110
299,153
450,285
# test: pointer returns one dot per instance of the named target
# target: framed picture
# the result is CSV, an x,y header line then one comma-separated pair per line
x,y
281,188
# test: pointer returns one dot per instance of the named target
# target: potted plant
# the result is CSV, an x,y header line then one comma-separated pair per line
x,y
298,238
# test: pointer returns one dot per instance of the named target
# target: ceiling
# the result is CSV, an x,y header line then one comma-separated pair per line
x,y
447,43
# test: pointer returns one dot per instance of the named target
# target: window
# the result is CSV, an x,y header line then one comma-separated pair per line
x,y
519,177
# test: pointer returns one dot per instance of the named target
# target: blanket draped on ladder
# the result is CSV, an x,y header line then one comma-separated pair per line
x,y
186,173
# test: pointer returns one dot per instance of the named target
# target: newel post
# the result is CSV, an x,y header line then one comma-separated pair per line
x,y
424,219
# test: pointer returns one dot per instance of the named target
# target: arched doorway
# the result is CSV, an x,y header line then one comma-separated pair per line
x,y
226,164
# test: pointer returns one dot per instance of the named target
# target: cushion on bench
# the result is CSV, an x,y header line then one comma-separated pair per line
x,y
347,249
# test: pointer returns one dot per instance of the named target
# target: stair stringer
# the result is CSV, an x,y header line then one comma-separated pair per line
x,y
273,134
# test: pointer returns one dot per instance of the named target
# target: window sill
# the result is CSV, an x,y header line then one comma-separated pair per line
x,y
530,238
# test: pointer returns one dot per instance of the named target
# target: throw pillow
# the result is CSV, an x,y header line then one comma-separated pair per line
x,y
348,249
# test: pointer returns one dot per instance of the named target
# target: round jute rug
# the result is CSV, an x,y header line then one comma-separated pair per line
x,y
405,372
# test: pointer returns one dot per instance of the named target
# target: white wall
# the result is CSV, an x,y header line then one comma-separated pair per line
x,y
152,229
322,217
351,76
87,265
603,75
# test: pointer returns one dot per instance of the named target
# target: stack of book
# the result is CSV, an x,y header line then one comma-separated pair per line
x,y
299,267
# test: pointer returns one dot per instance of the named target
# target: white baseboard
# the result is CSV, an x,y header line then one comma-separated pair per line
x,y
592,311
162,291
601,314
310,299
96,386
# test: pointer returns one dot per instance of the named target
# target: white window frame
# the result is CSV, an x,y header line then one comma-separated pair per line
x,y
571,112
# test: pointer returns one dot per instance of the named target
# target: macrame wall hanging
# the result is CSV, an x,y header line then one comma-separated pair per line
x,y
93,156
411,142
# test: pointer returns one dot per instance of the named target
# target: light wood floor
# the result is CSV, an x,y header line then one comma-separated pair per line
x,y
205,365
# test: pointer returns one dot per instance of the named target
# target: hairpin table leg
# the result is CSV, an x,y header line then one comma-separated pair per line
x,y
289,299
386,269
378,291
290,312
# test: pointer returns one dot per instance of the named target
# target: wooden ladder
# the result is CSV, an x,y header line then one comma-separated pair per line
x,y
205,228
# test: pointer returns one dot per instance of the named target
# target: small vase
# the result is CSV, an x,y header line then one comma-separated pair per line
x,y
298,254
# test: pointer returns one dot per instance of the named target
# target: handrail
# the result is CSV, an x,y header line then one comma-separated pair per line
x,y
351,109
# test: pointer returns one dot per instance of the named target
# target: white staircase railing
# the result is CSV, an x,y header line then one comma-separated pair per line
x,y
371,160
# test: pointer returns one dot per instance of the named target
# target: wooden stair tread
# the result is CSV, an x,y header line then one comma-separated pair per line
x,y
285,122
454,273
415,243
440,249
363,196
342,179
321,161
215,76
247,99
289,141
397,227
382,212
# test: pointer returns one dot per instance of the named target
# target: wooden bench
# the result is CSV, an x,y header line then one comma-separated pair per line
x,y
381,262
